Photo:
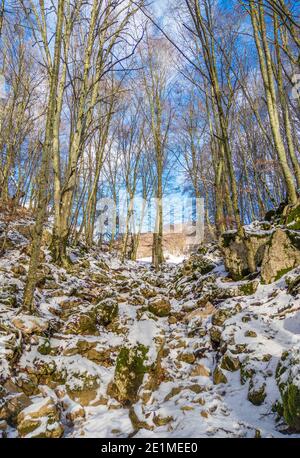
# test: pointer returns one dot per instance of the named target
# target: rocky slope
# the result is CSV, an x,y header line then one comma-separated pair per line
x,y
118,350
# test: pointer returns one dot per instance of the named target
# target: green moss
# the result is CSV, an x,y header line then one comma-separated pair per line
x,y
282,272
248,288
256,394
291,406
230,363
277,407
294,215
45,347
287,374
228,238
294,238
28,426
106,311
246,373
293,285
129,374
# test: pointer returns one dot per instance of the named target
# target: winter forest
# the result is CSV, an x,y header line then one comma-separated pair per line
x,y
150,218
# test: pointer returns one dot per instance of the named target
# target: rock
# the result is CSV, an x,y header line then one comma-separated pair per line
x,y
235,253
200,371
81,323
292,220
82,388
106,311
282,254
257,391
160,306
147,293
3,426
172,319
247,288
197,263
293,285
24,383
40,420
19,270
188,358
136,422
287,378
129,374
250,333
202,312
215,334
12,405
219,318
162,421
30,324
91,351
219,376
75,411
45,347
230,362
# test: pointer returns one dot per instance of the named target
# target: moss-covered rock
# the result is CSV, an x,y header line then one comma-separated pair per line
x,y
197,262
288,381
293,285
160,306
106,311
11,405
129,373
248,288
82,388
40,420
250,333
91,350
45,347
230,363
187,357
81,323
223,314
235,251
219,376
215,333
293,219
281,255
257,391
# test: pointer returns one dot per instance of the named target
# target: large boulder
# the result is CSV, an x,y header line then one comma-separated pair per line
x,y
129,374
235,253
288,381
282,254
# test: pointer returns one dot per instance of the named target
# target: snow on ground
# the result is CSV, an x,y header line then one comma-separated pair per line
x,y
186,402
169,258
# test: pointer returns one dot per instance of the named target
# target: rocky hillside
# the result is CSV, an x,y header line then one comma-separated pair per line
x,y
118,350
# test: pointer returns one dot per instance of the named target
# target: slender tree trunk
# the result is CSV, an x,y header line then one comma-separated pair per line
x,y
45,166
